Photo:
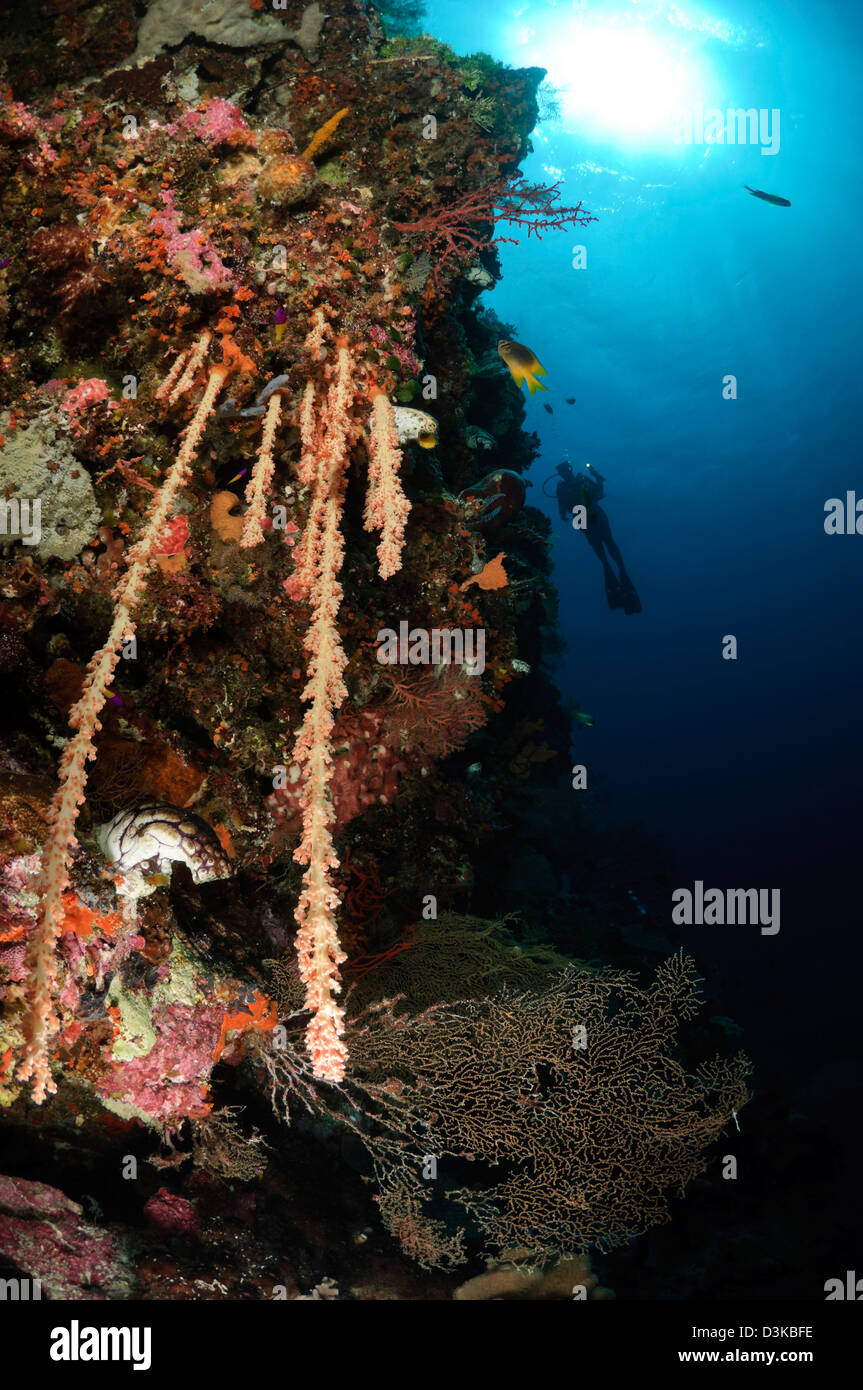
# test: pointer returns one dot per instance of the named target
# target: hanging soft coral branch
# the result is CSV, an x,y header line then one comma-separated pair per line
x,y
318,950
196,357
309,471
325,435
170,380
314,344
262,474
40,1021
387,508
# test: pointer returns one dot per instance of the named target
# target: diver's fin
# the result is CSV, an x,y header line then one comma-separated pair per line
x,y
630,601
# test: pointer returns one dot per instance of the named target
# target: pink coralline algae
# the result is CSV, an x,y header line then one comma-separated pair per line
x,y
13,962
170,1083
407,360
171,1214
21,118
81,397
174,537
42,1234
219,123
45,156
15,874
18,123
192,254
16,921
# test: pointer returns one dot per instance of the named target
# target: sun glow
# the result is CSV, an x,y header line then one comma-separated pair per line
x,y
624,82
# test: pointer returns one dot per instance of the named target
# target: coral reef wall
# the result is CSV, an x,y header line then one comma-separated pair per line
x,y
274,607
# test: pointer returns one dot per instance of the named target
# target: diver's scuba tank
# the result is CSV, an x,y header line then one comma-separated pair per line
x,y
555,475
558,477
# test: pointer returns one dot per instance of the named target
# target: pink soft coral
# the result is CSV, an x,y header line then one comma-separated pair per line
x,y
81,397
219,123
190,253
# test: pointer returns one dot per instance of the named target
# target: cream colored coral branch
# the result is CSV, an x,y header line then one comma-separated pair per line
x,y
318,950
387,508
322,468
197,354
170,379
257,491
40,1021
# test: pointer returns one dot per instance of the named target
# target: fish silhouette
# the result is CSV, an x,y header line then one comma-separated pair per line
x,y
773,198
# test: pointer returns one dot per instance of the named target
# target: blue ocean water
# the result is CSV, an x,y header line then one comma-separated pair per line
x,y
749,770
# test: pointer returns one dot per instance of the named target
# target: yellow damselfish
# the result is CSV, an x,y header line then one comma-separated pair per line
x,y
523,364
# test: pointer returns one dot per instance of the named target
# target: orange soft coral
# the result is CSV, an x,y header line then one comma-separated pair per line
x,y
321,136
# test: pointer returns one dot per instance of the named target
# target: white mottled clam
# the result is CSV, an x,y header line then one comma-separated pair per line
x,y
415,424
156,834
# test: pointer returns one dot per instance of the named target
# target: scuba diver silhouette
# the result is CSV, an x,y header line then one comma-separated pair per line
x,y
585,490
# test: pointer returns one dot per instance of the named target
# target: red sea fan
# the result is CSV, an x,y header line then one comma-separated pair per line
x,y
428,716
435,712
454,236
